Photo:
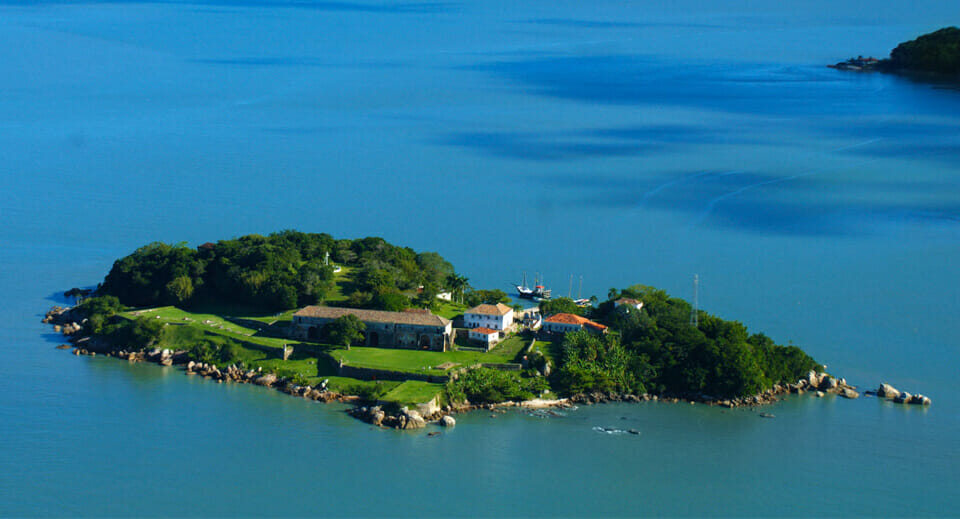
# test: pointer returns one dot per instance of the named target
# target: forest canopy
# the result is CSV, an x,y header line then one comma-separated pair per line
x,y
283,270
938,51
657,349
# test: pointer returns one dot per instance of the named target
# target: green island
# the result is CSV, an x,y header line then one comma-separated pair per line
x,y
403,335
937,52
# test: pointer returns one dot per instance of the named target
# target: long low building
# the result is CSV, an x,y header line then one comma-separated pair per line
x,y
564,323
409,330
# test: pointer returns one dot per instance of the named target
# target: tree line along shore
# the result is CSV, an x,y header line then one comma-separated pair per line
x,y
175,304
937,52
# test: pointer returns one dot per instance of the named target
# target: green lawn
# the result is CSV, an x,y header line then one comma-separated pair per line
x,y
449,310
343,285
412,392
508,349
208,323
551,350
426,362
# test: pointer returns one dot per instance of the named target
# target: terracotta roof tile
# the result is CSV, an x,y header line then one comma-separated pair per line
x,y
574,319
497,309
484,330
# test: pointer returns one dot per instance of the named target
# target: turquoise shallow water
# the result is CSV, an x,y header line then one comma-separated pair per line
x,y
628,143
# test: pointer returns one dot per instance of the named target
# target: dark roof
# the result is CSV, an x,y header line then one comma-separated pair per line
x,y
374,316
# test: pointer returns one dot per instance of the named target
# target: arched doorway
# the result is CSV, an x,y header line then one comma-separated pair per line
x,y
313,333
424,342
373,339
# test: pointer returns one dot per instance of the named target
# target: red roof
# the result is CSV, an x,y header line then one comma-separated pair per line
x,y
484,330
574,319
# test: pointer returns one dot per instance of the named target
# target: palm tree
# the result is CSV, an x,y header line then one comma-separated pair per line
x,y
459,284
612,294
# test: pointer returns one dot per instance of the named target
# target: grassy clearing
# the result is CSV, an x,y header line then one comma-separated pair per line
x,y
208,323
343,285
551,350
507,349
412,392
416,361
449,310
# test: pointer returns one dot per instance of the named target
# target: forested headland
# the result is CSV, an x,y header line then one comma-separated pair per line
x,y
938,51
935,53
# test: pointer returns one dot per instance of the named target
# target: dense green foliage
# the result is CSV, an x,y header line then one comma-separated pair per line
x,y
486,386
938,51
596,363
139,333
657,349
344,331
277,272
490,297
98,311
559,305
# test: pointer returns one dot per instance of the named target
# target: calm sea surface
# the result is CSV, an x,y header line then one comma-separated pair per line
x,y
625,142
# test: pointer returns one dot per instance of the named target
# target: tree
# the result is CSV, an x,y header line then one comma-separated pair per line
x,y
392,302
458,285
345,330
490,297
181,288
560,305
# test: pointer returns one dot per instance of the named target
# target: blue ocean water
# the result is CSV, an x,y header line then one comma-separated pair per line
x,y
627,143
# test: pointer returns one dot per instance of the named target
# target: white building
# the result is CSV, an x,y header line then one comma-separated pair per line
x,y
635,303
496,317
485,336
563,323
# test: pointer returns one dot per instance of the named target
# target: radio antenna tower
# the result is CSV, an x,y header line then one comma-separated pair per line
x,y
694,317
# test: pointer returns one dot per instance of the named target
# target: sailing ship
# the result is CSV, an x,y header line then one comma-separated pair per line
x,y
537,292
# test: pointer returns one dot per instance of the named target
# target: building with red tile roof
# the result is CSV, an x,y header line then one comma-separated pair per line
x,y
563,323
485,336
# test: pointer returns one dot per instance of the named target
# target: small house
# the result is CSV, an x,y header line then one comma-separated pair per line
x,y
484,336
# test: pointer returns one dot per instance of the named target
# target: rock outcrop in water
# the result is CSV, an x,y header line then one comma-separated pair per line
x,y
900,397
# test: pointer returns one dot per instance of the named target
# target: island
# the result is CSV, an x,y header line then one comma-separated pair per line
x,y
406,339
937,52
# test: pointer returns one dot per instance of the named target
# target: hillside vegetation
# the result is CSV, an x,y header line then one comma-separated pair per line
x,y
938,51
277,272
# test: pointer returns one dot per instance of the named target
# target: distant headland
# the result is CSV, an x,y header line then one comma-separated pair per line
x,y
404,336
937,52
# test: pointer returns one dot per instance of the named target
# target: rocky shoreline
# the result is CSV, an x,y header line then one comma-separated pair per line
x,y
64,321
